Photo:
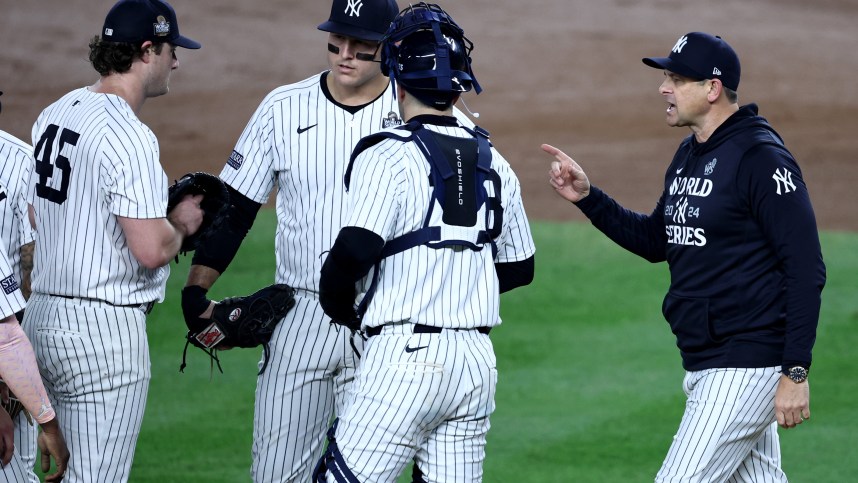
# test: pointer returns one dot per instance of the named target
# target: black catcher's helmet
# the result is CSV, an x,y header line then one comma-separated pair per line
x,y
428,54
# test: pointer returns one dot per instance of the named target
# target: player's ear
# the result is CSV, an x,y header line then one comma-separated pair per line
x,y
715,90
147,48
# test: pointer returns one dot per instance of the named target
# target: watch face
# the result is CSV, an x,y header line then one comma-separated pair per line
x,y
798,374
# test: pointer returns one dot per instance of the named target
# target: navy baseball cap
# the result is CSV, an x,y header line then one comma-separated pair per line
x,y
701,56
141,20
361,19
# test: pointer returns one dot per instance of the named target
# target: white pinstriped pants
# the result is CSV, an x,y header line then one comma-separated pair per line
x,y
431,404
94,359
728,432
311,365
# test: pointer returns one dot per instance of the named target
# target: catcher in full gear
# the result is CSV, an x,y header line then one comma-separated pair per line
x,y
437,213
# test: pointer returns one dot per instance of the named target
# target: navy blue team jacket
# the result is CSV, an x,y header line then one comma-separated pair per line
x,y
736,226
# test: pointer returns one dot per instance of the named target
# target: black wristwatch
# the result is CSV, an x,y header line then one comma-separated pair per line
x,y
797,374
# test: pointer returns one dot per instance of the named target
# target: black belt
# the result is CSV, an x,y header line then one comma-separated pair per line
x,y
146,307
425,329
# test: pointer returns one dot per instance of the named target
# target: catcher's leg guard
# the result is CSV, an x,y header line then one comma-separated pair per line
x,y
333,461
416,474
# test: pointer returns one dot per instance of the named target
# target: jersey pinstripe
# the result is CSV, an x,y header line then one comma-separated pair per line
x,y
300,141
95,161
437,287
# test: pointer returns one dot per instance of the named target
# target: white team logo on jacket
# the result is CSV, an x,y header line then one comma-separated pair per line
x,y
783,179
710,167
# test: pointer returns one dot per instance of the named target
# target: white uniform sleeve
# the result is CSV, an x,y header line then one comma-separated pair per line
x,y
250,167
136,182
516,241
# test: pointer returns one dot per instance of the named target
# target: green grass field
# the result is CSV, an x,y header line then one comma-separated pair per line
x,y
590,377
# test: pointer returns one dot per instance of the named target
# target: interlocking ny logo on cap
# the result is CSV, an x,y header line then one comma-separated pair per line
x,y
162,28
680,44
353,8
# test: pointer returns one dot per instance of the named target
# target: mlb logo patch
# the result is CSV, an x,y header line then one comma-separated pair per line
x,y
235,160
9,284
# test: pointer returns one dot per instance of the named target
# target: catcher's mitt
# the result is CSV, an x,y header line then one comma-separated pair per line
x,y
214,204
247,321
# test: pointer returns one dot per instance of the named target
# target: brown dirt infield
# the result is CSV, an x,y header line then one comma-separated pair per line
x,y
566,72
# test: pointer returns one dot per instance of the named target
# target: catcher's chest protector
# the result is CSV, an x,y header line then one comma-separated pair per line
x,y
465,209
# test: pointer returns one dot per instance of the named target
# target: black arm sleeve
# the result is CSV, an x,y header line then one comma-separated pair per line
x,y
218,250
515,274
354,253
640,234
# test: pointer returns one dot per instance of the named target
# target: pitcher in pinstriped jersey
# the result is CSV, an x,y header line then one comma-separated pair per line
x,y
103,238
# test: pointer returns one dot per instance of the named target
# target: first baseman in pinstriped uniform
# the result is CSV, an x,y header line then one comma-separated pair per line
x,y
737,228
436,214
103,239
299,140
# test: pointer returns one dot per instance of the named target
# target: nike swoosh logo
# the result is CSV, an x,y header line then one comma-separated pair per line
x,y
677,171
304,129
412,349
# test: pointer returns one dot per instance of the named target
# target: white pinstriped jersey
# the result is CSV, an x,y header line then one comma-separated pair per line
x,y
95,161
16,157
300,142
449,287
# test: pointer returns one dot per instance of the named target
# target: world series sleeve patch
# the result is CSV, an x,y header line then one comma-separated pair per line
x,y
9,284
235,160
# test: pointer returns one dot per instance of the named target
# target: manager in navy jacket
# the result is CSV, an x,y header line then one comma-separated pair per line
x,y
737,229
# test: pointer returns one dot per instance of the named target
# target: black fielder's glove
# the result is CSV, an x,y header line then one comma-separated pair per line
x,y
214,204
247,321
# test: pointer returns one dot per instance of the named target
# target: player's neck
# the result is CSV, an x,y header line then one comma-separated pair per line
x,y
122,86
357,95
